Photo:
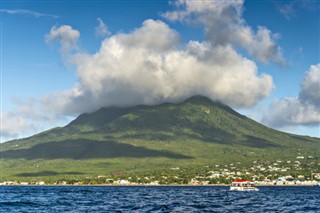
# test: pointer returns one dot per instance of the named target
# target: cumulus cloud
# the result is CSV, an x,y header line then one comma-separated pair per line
x,y
65,35
149,66
101,30
224,25
301,110
310,86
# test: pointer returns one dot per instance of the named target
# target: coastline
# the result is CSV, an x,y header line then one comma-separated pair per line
x,y
152,185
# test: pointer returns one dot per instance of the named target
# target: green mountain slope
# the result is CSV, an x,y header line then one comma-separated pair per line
x,y
193,133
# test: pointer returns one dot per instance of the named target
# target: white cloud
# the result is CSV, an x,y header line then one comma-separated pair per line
x,y
301,110
310,86
22,120
13,125
149,66
101,30
27,12
224,25
26,118
65,35
153,35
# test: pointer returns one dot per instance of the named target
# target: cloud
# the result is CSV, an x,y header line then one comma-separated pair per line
x,y
22,120
28,12
14,125
301,110
149,66
28,117
288,9
101,30
224,25
65,35
310,87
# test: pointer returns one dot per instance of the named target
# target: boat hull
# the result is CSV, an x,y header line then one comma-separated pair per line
x,y
243,189
243,185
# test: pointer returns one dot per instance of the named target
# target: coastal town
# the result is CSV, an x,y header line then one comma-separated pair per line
x,y
263,173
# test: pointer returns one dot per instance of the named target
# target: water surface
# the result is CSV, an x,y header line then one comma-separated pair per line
x,y
157,199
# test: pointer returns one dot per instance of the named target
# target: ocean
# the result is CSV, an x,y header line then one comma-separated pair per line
x,y
157,199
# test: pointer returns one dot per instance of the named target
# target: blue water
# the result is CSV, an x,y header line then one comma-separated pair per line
x,y
157,199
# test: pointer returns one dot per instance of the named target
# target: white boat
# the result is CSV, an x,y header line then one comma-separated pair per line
x,y
243,185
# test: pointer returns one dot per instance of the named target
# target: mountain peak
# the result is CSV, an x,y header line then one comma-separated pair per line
x,y
202,100
198,99
197,131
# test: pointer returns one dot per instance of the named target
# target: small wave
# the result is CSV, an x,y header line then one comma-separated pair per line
x,y
158,199
19,203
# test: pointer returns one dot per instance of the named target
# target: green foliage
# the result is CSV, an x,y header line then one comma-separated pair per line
x,y
190,134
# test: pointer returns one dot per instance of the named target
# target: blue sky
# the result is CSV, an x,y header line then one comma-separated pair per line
x,y
63,58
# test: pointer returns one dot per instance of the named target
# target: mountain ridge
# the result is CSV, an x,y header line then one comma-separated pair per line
x,y
100,119
194,132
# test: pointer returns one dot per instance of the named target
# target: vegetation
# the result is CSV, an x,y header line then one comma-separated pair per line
x,y
151,139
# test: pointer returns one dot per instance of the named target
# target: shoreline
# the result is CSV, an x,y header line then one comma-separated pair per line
x,y
147,185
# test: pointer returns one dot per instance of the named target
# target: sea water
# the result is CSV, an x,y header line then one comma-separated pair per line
x,y
157,199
